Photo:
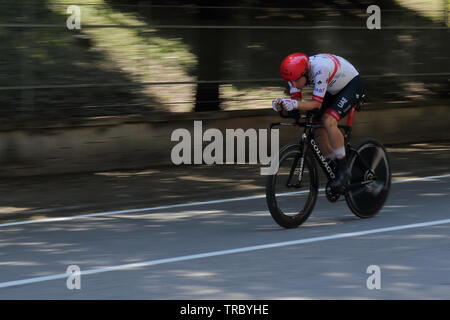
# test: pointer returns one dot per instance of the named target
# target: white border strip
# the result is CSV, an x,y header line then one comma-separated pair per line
x,y
223,252
182,205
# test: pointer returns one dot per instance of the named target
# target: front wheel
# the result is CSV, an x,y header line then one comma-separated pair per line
x,y
370,178
290,200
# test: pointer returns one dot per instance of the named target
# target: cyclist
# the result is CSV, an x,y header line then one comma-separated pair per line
x,y
337,87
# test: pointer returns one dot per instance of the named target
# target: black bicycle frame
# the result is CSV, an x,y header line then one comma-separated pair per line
x,y
307,141
323,162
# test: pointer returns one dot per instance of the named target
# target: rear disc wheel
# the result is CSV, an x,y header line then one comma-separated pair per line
x,y
371,173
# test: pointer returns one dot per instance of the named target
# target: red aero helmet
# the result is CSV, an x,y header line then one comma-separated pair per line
x,y
293,66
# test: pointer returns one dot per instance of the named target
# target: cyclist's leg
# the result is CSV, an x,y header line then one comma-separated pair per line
x,y
320,135
345,99
335,136
339,108
336,139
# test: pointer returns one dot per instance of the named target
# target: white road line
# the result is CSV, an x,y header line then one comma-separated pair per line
x,y
422,178
223,252
182,205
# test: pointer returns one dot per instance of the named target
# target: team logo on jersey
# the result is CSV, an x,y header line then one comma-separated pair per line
x,y
342,102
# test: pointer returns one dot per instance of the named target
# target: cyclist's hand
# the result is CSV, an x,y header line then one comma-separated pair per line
x,y
276,104
289,104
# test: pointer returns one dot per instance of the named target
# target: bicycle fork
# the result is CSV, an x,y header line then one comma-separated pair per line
x,y
298,166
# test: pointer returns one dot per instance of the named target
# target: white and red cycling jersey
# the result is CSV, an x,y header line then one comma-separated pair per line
x,y
327,73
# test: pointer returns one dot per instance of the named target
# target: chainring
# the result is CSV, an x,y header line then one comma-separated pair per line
x,y
331,195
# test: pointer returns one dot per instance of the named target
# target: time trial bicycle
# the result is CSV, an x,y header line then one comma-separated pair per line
x,y
291,192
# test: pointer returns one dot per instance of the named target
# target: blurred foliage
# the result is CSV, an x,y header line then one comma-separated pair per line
x,y
58,56
433,9
143,54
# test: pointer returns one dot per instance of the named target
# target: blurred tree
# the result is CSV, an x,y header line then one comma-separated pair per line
x,y
227,53
209,53
52,57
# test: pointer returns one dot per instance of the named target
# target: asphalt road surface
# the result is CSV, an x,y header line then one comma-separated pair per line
x,y
234,250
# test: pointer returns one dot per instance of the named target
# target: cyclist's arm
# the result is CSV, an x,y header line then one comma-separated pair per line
x,y
302,105
320,87
309,105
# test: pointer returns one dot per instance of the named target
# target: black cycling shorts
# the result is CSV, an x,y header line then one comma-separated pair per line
x,y
339,105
